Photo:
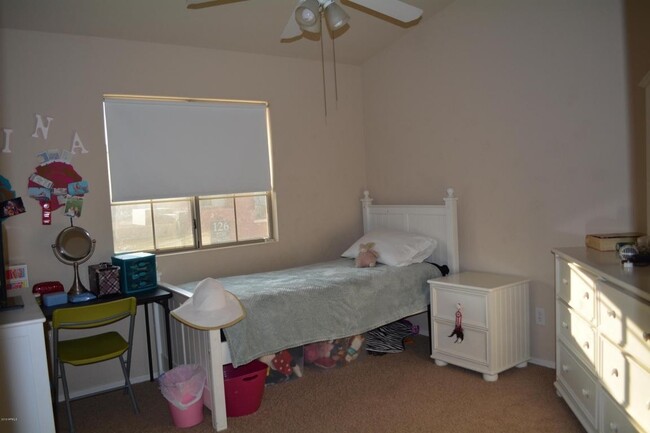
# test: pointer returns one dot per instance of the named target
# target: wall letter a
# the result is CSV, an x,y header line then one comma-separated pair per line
x,y
41,127
77,144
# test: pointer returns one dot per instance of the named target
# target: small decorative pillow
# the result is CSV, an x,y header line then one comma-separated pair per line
x,y
395,248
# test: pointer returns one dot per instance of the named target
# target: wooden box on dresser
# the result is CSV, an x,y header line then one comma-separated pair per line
x,y
603,340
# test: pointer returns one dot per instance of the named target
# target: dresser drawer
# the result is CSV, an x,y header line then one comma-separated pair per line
x,y
577,288
576,332
473,306
627,382
639,393
614,419
580,383
473,348
613,370
625,321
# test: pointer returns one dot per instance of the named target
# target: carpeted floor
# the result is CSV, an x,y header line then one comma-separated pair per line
x,y
403,392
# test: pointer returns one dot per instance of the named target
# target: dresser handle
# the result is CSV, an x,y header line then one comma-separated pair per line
x,y
585,393
586,295
565,368
585,345
565,325
565,281
615,372
612,314
613,427
646,336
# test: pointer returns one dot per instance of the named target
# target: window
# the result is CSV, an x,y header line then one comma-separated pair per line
x,y
188,174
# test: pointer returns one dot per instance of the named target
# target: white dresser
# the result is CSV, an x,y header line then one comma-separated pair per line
x,y
495,321
603,340
25,397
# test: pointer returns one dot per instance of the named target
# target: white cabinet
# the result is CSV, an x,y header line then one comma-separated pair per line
x,y
494,317
25,400
603,340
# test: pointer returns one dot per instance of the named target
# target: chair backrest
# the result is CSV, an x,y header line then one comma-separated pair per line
x,y
91,316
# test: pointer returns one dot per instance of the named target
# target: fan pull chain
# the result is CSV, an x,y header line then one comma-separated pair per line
x,y
336,87
322,59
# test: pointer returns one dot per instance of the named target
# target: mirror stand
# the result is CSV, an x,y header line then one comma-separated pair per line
x,y
77,287
74,246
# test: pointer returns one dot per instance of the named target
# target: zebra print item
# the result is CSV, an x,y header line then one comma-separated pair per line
x,y
389,338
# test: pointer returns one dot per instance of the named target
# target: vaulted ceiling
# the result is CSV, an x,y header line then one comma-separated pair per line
x,y
252,26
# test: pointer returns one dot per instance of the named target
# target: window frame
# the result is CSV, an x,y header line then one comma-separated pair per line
x,y
223,188
198,244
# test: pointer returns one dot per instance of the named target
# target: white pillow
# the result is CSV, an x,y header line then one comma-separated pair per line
x,y
395,248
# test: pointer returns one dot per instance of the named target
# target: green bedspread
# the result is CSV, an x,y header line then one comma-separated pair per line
x,y
296,306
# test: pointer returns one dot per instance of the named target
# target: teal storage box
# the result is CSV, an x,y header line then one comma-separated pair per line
x,y
137,272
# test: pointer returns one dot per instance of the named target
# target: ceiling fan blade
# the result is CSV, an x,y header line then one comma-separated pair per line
x,y
393,8
292,29
200,4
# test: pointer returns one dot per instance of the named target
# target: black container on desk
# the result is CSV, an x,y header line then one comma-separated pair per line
x,y
137,272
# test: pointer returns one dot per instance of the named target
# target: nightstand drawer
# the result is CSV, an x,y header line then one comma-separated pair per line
x,y
577,332
577,288
577,378
473,348
473,306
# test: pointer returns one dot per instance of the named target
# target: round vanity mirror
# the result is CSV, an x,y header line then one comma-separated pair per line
x,y
74,246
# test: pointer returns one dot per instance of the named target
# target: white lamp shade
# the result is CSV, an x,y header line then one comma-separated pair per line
x,y
308,16
336,16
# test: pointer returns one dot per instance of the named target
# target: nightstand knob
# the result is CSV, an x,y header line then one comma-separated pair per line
x,y
586,295
565,325
565,281
585,393
613,427
612,314
615,372
565,368
585,345
646,336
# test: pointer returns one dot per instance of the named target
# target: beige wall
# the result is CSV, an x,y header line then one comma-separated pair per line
x,y
318,162
521,106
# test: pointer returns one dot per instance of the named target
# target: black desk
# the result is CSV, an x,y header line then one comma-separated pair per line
x,y
158,295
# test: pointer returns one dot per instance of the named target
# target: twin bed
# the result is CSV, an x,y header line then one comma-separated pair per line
x,y
325,301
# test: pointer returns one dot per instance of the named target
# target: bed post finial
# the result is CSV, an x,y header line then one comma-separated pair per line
x,y
452,229
366,202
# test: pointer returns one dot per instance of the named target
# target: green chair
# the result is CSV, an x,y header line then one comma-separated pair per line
x,y
95,348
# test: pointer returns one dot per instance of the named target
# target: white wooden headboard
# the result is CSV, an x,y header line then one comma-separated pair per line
x,y
437,221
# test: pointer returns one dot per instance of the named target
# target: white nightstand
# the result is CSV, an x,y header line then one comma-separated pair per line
x,y
495,322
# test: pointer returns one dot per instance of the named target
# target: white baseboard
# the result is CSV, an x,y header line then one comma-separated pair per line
x,y
101,388
542,362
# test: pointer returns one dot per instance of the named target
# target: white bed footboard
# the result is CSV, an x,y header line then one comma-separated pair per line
x,y
189,345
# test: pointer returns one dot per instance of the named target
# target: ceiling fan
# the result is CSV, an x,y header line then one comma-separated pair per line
x,y
306,15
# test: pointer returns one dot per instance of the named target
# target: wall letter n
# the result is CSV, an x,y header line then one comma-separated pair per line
x,y
41,127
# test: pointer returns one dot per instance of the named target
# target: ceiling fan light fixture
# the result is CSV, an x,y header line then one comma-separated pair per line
x,y
308,15
336,16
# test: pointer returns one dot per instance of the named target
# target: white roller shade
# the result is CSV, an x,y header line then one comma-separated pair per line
x,y
163,149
